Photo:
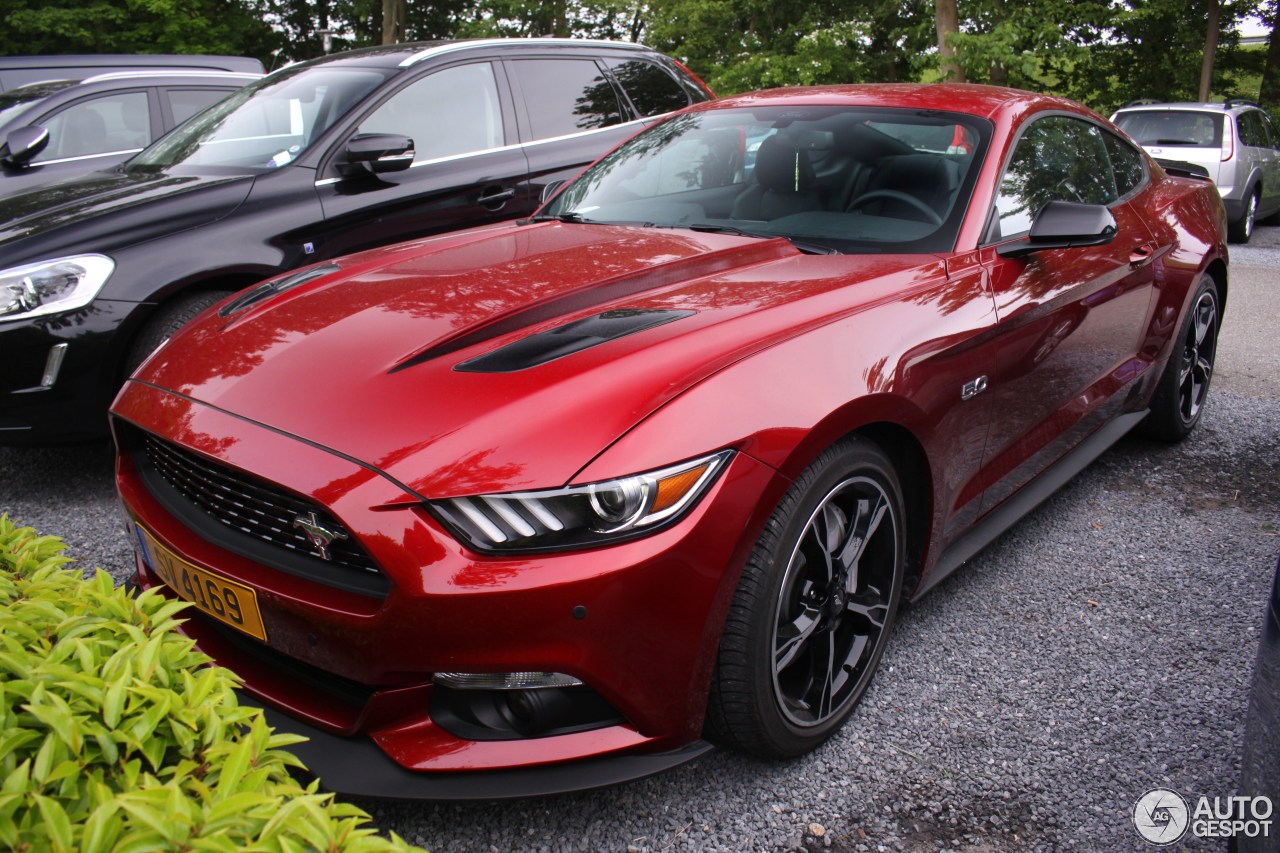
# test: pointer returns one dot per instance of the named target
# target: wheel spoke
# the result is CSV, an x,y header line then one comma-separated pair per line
x,y
793,636
866,521
871,607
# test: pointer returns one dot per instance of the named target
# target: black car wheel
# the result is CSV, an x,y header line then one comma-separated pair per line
x,y
1184,386
814,608
169,318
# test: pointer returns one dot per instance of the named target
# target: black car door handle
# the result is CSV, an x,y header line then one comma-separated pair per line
x,y
497,196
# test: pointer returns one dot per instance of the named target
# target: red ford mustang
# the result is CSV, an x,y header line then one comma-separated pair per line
x,y
538,506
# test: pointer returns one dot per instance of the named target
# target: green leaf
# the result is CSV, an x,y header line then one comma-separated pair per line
x,y
56,822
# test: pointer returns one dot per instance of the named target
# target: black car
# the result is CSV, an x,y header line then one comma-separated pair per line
x,y
1260,761
319,159
62,128
18,71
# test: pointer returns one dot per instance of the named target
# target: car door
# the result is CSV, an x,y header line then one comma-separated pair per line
x,y
570,114
1071,321
467,167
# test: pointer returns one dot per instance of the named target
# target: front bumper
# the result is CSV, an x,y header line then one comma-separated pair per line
x,y
70,405
637,622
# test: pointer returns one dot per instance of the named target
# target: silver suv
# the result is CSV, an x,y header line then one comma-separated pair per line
x,y
1233,142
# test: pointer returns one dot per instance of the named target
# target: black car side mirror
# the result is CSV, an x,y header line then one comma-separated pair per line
x,y
376,153
1064,225
22,145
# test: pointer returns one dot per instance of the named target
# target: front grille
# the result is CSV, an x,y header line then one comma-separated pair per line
x,y
251,506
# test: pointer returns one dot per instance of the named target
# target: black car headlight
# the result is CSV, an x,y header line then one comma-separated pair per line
x,y
52,287
580,516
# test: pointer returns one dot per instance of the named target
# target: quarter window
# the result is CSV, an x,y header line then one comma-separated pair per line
x,y
451,112
1058,158
566,96
1252,131
184,103
1126,164
652,90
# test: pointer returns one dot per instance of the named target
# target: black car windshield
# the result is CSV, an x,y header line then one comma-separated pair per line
x,y
265,125
829,178
15,102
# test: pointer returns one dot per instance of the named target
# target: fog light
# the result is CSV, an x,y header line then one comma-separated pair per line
x,y
504,680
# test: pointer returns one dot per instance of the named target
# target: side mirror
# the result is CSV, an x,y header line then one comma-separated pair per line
x,y
22,145
1064,225
549,190
376,153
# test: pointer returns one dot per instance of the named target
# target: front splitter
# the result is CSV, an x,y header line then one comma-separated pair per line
x,y
354,766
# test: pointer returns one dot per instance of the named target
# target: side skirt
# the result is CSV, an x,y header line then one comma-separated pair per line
x,y
1028,498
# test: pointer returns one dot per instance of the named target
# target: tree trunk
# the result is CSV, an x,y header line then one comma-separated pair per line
x,y
947,20
1269,92
393,15
1210,49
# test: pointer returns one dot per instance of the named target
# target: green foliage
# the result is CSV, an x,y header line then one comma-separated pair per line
x,y
116,735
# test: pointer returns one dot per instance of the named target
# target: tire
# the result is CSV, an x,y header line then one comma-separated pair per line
x,y
169,318
1242,229
1183,389
805,632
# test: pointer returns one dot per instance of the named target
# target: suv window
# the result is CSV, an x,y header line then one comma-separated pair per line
x,y
1173,127
1056,159
117,122
566,96
1252,131
652,90
184,103
450,112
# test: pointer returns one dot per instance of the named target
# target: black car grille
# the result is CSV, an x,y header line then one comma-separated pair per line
x,y
246,506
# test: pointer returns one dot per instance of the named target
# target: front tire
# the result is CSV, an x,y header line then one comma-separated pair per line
x,y
814,609
169,318
1183,391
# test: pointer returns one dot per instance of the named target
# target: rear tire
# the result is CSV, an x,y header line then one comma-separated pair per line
x,y
169,318
1242,229
814,608
1184,386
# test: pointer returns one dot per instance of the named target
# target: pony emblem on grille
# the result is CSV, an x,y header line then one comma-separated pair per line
x,y
317,534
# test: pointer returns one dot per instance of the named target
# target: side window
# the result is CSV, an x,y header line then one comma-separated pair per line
x,y
1057,158
1252,131
116,122
652,90
184,103
1126,164
566,96
450,112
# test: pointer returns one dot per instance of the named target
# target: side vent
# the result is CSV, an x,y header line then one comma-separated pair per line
x,y
568,339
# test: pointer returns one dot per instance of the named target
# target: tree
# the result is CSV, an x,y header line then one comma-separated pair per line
x,y
1269,91
947,20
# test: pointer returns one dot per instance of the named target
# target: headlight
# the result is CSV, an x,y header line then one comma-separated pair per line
x,y
580,516
52,287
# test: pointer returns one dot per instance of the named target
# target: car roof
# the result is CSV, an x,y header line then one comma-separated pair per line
x,y
969,98
408,54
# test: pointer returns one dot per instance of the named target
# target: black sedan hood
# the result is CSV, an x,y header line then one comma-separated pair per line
x,y
103,211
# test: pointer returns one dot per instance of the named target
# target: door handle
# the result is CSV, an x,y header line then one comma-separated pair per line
x,y
1142,255
498,196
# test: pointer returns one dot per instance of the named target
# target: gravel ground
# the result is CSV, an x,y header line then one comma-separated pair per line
x,y
1099,649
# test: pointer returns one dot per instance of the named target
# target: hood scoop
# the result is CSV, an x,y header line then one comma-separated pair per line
x,y
602,292
569,338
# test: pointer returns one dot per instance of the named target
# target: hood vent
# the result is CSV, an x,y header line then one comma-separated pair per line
x,y
568,339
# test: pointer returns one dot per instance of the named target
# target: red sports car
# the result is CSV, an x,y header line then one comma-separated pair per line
x,y
539,506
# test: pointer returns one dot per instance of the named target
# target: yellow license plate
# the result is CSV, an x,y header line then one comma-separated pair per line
x,y
225,600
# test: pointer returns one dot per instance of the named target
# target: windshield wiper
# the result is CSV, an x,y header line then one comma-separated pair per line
x,y
569,216
809,248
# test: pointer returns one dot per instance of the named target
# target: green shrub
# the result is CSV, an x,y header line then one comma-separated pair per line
x,y
115,735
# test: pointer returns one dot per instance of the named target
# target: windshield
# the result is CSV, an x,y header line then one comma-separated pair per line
x,y
1188,128
265,125
15,102
845,179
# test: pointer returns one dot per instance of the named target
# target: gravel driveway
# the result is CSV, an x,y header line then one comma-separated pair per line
x,y
1099,649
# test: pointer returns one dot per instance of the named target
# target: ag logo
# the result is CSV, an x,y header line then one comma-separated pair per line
x,y
1160,816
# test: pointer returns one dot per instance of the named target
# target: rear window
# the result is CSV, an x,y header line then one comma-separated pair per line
x,y
1173,128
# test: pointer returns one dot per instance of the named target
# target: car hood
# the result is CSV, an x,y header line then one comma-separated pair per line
x,y
108,210
385,360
